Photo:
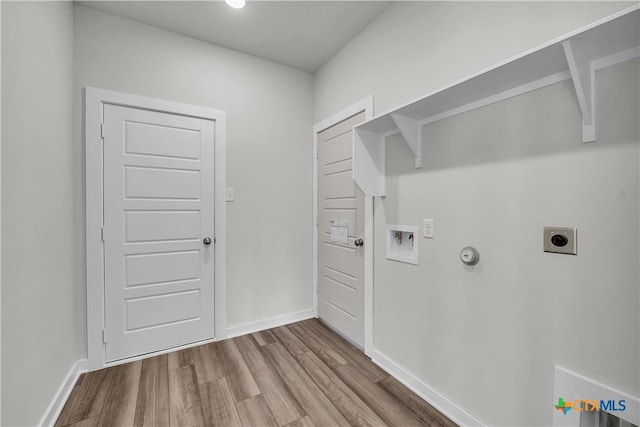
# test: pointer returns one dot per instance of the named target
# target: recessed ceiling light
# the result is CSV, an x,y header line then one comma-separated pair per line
x,y
236,4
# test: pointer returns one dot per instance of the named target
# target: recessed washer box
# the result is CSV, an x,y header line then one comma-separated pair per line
x,y
561,240
402,243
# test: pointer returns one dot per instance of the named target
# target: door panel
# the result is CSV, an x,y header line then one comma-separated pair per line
x,y
152,140
341,258
147,269
149,226
337,291
151,311
148,183
158,190
340,201
337,149
339,185
340,277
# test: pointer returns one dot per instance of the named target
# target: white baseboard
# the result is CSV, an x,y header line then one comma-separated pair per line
x,y
55,407
273,322
433,397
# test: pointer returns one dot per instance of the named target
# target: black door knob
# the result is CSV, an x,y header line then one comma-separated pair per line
x,y
206,241
358,242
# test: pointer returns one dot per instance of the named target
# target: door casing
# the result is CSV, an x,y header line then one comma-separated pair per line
x,y
95,99
365,105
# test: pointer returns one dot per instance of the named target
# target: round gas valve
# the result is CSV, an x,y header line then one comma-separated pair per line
x,y
469,256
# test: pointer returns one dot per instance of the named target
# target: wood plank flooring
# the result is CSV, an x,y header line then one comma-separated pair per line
x,y
298,375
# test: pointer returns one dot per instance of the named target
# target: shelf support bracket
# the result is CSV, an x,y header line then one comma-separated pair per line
x,y
369,162
583,77
411,131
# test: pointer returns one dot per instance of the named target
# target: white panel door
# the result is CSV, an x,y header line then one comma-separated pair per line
x,y
340,204
158,210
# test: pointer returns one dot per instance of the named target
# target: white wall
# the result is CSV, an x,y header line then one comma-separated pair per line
x,y
41,336
413,48
0,214
269,119
488,337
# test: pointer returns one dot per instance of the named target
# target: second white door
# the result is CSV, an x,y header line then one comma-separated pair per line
x,y
340,233
158,230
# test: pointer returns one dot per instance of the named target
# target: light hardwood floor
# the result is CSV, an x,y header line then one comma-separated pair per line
x,y
298,375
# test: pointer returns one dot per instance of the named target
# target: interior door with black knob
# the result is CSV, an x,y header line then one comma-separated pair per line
x,y
158,204
340,233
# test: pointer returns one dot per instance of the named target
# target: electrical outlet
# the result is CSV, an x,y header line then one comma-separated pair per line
x,y
561,240
428,229
231,194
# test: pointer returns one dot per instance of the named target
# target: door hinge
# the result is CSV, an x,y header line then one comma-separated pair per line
x,y
102,233
104,336
102,130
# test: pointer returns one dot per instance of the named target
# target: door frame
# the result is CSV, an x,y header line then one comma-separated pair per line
x,y
94,102
366,105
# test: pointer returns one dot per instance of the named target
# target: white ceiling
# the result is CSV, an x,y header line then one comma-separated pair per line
x,y
300,34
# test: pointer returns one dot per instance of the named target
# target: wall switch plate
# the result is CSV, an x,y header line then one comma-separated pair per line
x,y
231,194
428,229
561,240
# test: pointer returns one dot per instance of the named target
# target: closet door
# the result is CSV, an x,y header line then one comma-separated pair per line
x,y
340,233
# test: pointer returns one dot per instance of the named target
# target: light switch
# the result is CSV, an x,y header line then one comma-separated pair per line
x,y
428,229
231,194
